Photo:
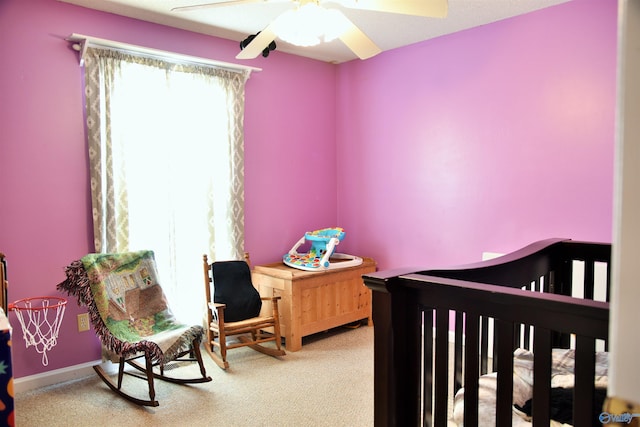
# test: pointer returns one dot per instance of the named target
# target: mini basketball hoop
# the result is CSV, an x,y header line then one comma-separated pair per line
x,y
40,318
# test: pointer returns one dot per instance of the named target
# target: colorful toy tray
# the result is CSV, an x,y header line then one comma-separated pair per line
x,y
322,250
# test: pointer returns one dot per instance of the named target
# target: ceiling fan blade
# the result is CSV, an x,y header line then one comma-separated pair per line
x,y
427,8
359,43
258,44
215,4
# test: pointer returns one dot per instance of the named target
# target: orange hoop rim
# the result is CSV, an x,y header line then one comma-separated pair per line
x,y
15,305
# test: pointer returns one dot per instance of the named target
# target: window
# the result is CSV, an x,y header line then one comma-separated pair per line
x,y
166,165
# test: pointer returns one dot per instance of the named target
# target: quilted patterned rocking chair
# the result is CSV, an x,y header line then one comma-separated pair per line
x,y
130,315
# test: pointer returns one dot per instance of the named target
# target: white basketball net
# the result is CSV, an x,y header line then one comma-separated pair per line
x,y
40,319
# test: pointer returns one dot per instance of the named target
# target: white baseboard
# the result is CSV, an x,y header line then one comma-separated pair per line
x,y
70,373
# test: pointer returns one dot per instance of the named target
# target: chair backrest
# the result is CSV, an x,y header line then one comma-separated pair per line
x,y
232,286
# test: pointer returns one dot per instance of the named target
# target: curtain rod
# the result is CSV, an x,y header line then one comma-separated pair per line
x,y
81,42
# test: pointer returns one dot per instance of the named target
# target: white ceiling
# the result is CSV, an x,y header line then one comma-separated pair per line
x,y
388,31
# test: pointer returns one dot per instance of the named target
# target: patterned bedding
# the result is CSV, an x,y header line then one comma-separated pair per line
x,y
562,366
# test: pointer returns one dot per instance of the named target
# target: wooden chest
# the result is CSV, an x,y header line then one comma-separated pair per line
x,y
315,301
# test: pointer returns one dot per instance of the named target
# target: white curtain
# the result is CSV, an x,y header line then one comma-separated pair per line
x,y
166,158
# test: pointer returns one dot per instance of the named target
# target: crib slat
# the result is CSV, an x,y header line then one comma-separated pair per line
x,y
608,288
584,377
562,286
484,344
548,280
608,279
517,335
457,352
427,392
538,286
527,337
441,383
504,392
494,362
589,282
567,280
541,377
471,374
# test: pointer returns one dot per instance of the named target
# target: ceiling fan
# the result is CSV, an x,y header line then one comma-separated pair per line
x,y
311,21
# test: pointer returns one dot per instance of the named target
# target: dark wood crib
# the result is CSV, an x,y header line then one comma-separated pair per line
x,y
540,297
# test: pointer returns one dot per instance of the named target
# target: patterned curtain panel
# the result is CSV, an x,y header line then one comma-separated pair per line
x,y
98,80
166,160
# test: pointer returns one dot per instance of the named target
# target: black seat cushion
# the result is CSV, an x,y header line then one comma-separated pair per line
x,y
233,287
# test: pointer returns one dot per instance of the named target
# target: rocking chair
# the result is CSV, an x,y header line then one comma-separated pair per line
x,y
130,315
237,310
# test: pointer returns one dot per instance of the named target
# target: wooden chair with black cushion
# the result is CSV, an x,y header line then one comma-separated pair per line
x,y
237,310
130,314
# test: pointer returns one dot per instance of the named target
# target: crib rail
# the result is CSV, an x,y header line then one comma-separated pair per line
x,y
528,295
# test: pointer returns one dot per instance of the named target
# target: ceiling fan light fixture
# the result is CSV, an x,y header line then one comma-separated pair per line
x,y
310,24
336,24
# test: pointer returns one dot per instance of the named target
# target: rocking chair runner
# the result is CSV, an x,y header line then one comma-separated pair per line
x,y
130,315
236,310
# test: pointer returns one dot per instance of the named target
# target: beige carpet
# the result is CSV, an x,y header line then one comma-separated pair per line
x,y
328,383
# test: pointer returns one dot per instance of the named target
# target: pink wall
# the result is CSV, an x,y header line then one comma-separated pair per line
x,y
484,140
430,154
45,217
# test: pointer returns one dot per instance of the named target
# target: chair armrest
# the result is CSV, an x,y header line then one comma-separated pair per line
x,y
274,307
274,298
217,312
